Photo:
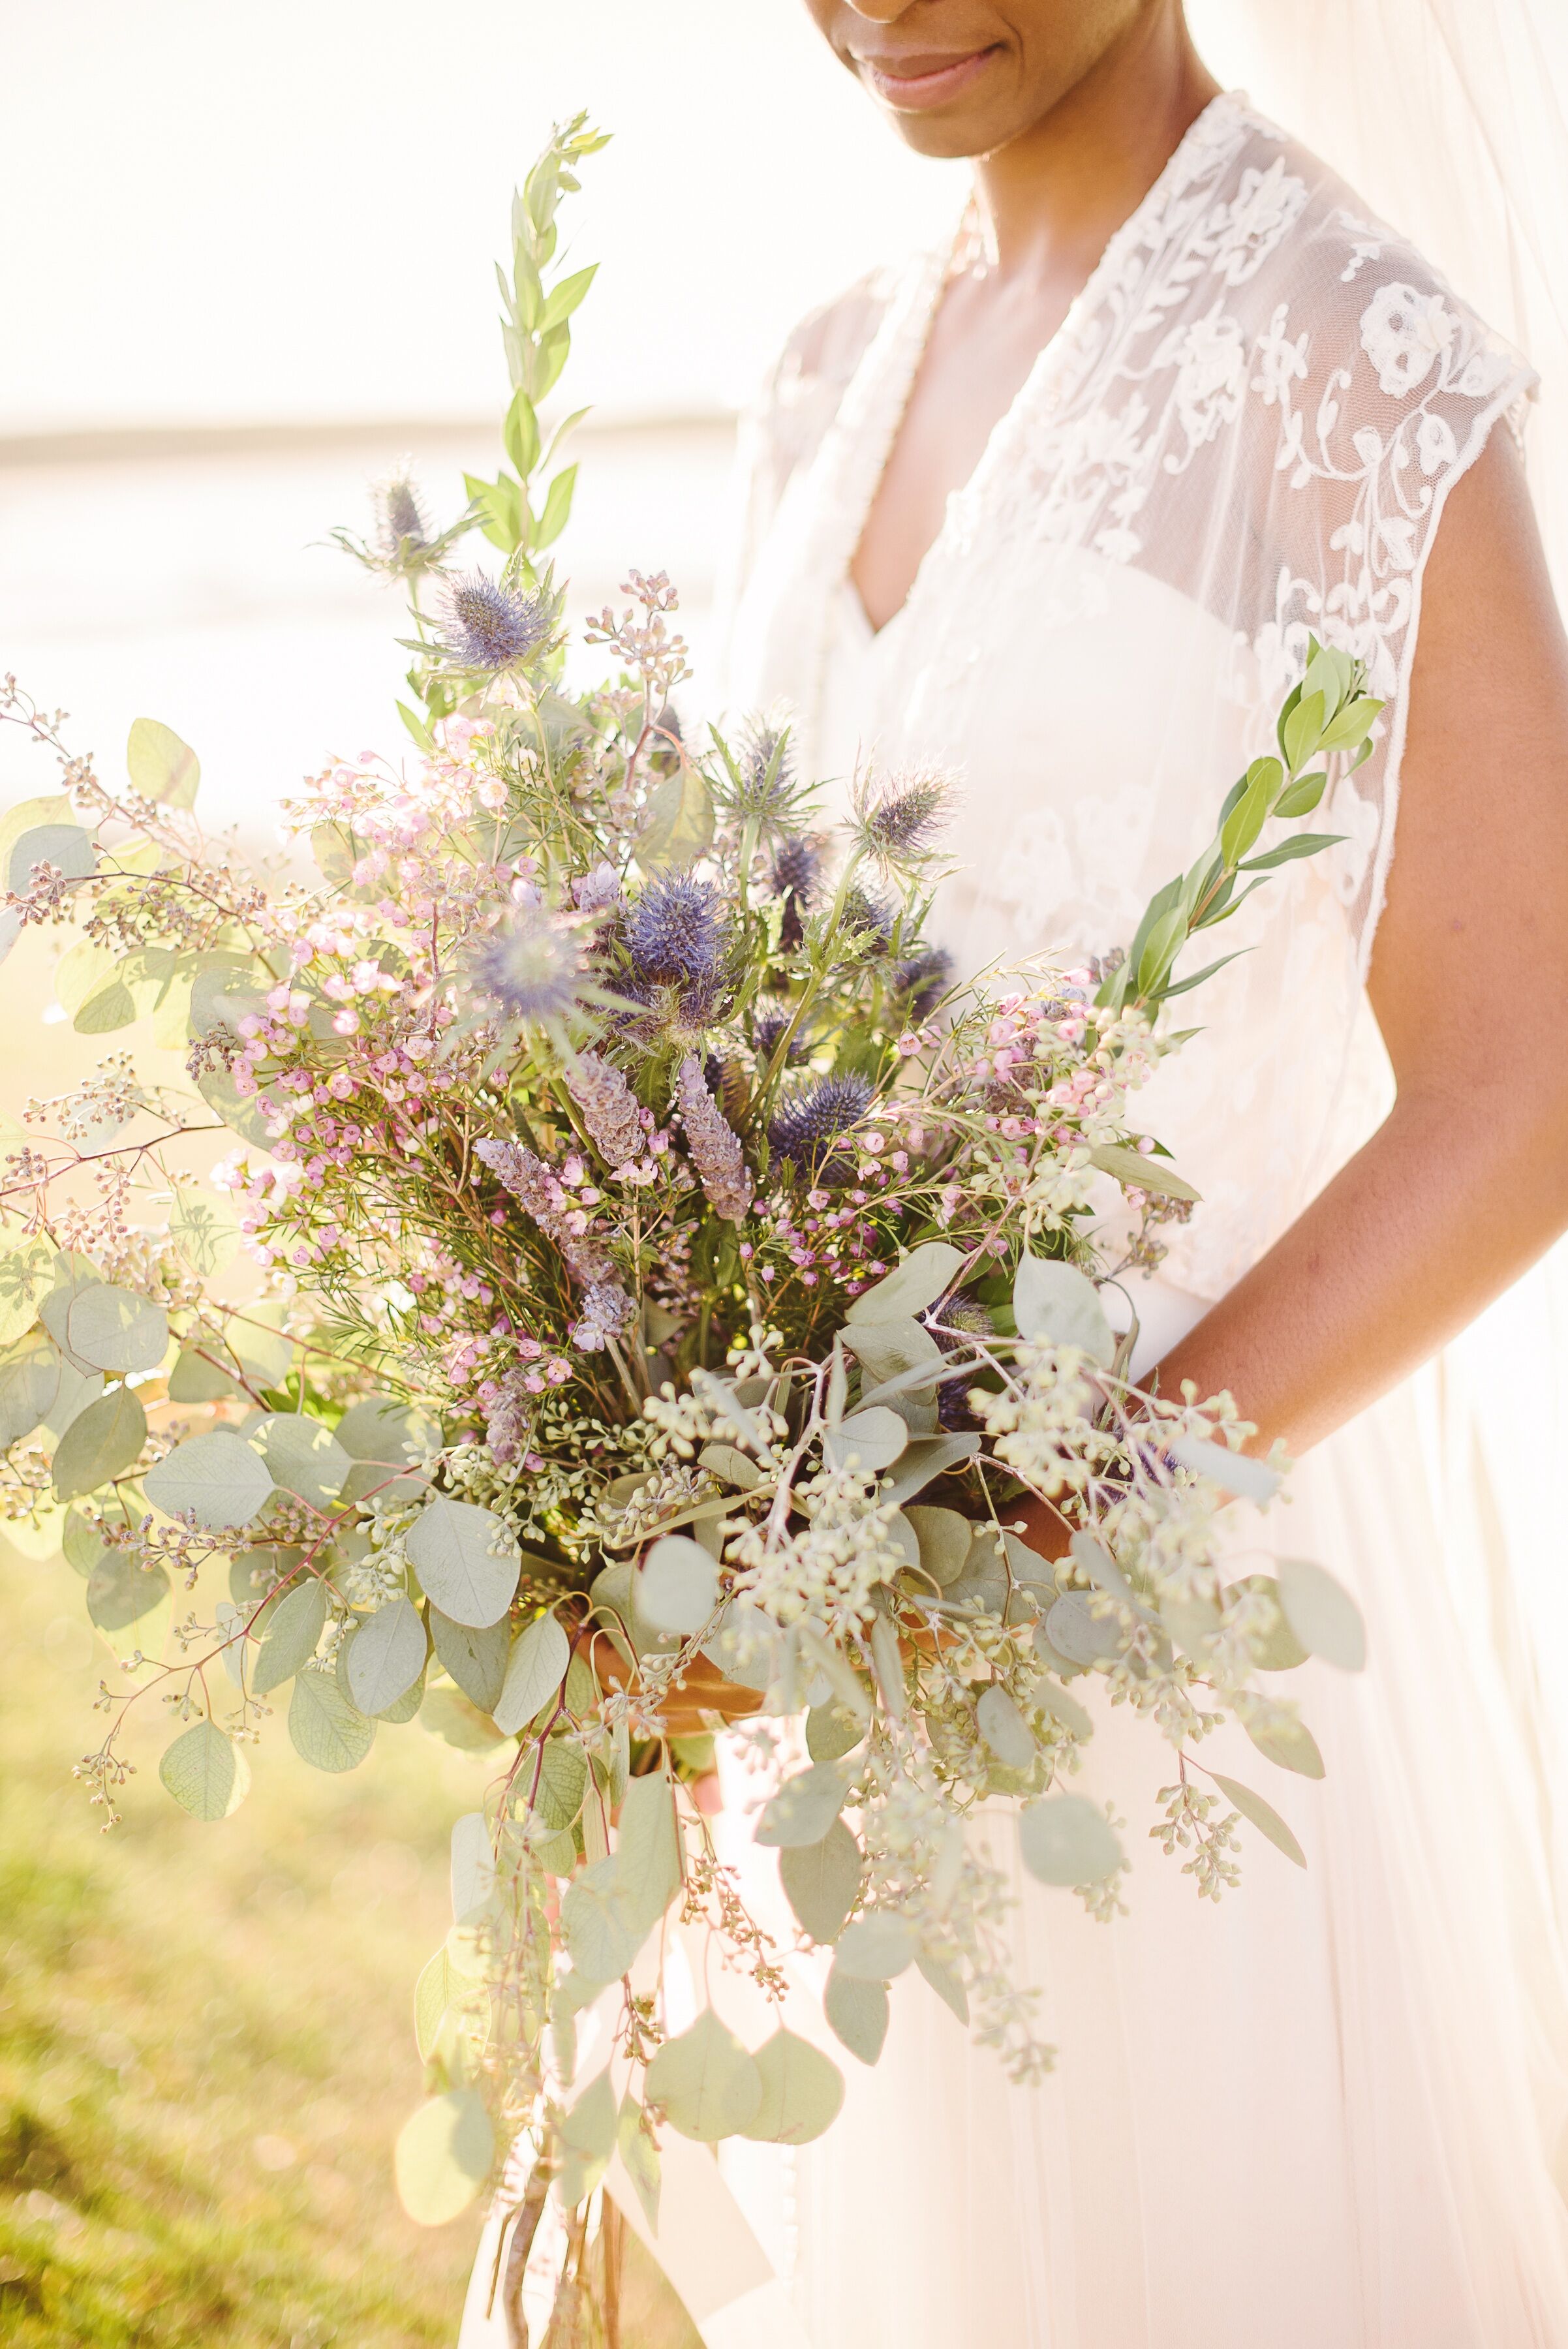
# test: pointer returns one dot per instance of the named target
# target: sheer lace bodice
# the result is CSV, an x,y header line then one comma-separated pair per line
x,y
1244,432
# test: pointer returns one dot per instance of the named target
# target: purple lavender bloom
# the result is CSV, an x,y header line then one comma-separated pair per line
x,y
610,1106
676,930
714,1146
809,1123
488,626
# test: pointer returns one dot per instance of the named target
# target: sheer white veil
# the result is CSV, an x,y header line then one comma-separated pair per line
x,y
1450,119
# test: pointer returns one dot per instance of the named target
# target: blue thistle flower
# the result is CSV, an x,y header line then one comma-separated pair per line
x,y
795,878
488,626
865,916
534,967
809,1123
922,978
897,823
675,930
767,1026
402,524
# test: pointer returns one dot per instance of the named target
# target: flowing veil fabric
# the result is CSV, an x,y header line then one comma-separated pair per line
x,y
1450,117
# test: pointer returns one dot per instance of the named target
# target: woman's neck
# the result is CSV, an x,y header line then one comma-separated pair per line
x,y
1049,200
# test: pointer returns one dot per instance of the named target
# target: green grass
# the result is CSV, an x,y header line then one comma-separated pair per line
x,y
206,2038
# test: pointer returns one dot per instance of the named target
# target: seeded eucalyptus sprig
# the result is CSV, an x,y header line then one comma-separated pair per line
x,y
1328,715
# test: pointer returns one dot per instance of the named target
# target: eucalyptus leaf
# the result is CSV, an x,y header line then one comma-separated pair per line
x,y
1075,1631
707,2084
197,1378
647,1848
745,1645
856,2013
1263,1815
679,825
1067,1840
27,1276
891,1350
325,1729
1056,1304
101,1443
639,2158
947,1984
1148,1173
803,2090
1233,1472
219,1478
65,845
804,1808
1322,1613
205,1772
293,1634
303,1456
1289,1745
440,1986
822,1882
603,1934
873,1947
378,1428
466,1559
913,1285
871,1439
831,1732
943,1535
1003,1727
1278,1649
556,1782
678,1585
114,1329
588,2140
160,765
386,1656
923,1459
443,2156
448,1714
29,1382
535,1669
476,1659
129,1603
205,1232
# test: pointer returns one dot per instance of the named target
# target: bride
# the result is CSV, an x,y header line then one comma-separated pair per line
x,y
1058,506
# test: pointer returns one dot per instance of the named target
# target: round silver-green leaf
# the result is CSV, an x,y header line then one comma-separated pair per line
x,y
1056,1304
1322,1613
871,1439
804,1808
303,1457
535,1671
219,1478
1068,1840
476,1659
114,1329
325,1729
444,2153
100,1443
822,1882
1003,1727
386,1656
873,1948
292,1633
678,1585
856,2013
803,2090
29,1381
926,1274
708,2084
205,1772
467,1559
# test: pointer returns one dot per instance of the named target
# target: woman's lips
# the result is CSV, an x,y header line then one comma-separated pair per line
x,y
910,83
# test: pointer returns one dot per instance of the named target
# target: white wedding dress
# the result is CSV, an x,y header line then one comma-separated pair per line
x,y
1328,2113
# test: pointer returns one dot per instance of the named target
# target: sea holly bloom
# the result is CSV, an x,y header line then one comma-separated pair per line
x,y
488,628
533,965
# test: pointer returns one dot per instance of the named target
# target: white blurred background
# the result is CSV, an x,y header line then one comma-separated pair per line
x,y
248,262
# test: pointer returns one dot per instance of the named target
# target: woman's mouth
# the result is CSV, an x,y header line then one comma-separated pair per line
x,y
912,83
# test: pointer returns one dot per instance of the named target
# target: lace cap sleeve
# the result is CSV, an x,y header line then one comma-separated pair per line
x,y
1375,390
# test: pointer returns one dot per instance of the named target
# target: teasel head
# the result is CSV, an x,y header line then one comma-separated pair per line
x,y
811,1120
489,627
898,820
676,930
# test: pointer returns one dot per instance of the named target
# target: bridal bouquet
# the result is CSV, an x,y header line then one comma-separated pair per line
x,y
662,1270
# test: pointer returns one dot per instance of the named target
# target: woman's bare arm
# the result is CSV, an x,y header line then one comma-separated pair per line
x,y
1466,1184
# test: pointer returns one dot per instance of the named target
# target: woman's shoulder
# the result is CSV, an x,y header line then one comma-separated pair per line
x,y
1298,256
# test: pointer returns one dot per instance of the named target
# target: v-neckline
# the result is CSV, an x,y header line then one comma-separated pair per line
x,y
925,291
